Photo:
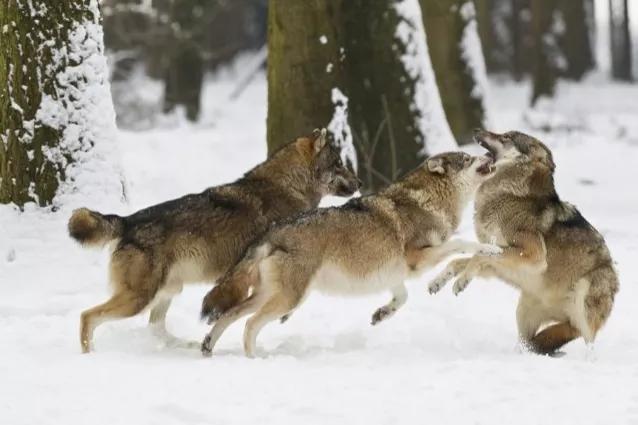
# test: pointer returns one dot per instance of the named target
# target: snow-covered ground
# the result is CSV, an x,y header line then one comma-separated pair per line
x,y
440,360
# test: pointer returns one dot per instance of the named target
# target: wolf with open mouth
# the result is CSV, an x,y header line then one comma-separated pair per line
x,y
557,259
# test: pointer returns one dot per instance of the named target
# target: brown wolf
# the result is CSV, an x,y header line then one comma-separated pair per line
x,y
551,253
196,238
368,245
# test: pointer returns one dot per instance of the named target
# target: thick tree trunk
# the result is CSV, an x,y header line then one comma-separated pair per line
x,y
545,53
447,23
305,63
184,73
576,42
384,121
49,55
522,42
620,40
346,65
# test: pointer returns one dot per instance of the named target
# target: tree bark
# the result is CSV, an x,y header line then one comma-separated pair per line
x,y
621,68
545,52
576,42
445,23
327,56
384,122
305,63
37,97
522,42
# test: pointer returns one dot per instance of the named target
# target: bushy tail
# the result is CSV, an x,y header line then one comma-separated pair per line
x,y
94,229
235,285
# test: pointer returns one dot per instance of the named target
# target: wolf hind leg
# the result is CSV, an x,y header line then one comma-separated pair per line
x,y
278,305
399,297
157,324
530,316
248,306
124,303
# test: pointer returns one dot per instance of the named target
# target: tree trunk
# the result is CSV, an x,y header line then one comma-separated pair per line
x,y
305,63
385,125
545,52
448,24
184,74
576,42
51,60
522,42
620,40
345,64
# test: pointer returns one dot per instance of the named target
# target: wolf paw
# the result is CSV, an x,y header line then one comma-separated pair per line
x,y
381,314
461,283
440,281
489,250
206,348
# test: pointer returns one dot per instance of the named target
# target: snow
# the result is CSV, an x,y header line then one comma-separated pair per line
x,y
427,100
340,127
440,360
81,108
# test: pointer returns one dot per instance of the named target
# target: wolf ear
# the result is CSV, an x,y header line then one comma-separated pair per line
x,y
435,165
319,139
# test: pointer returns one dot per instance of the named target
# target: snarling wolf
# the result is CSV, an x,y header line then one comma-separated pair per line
x,y
368,245
551,253
196,238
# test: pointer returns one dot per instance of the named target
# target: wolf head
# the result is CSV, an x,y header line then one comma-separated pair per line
x,y
334,177
462,168
310,164
514,146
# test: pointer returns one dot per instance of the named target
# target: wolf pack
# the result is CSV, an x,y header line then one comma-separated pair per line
x,y
265,244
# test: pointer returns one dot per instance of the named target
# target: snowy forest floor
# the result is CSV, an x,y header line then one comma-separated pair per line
x,y
440,360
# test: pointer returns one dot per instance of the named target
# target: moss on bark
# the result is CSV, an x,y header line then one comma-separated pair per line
x,y
32,32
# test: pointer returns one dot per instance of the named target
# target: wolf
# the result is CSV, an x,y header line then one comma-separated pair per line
x,y
196,238
557,259
367,245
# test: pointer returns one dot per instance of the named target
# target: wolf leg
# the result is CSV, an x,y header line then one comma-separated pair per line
x,y
248,306
157,323
452,269
399,297
123,304
530,316
277,306
421,259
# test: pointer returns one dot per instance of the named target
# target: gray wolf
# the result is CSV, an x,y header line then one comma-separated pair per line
x,y
196,238
368,245
557,259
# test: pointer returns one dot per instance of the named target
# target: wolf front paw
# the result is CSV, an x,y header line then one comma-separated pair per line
x,y
206,347
382,314
461,283
439,282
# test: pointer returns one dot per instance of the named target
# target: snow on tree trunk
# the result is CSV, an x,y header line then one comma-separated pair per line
x,y
57,122
330,61
458,63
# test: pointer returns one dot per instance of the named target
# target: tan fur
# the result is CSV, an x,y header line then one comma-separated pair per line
x,y
368,245
196,238
551,253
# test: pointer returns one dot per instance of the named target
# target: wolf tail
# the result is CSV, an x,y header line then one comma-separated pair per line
x,y
235,285
91,228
